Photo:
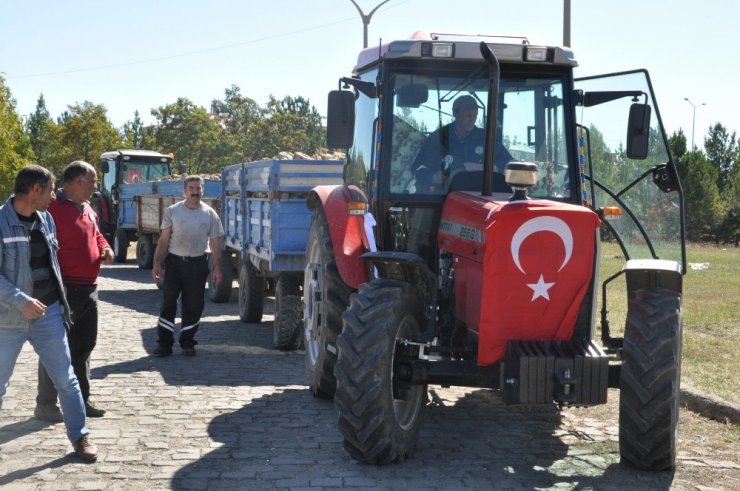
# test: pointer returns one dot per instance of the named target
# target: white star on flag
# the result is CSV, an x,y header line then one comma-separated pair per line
x,y
540,288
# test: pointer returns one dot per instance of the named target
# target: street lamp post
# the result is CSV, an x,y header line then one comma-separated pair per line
x,y
693,120
366,19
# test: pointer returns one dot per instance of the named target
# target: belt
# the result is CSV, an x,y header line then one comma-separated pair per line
x,y
188,258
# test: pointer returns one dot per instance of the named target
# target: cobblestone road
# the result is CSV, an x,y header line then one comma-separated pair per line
x,y
238,416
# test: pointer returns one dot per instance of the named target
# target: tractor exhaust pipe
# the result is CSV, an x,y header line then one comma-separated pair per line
x,y
494,74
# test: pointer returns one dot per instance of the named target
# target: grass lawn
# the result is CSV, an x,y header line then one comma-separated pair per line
x,y
711,316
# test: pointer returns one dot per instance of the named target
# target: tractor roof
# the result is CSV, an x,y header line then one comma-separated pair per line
x,y
133,152
428,45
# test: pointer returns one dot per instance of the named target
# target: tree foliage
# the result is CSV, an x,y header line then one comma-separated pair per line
x,y
15,147
722,151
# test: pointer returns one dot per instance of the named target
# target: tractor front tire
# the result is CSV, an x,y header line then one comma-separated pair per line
x,y
650,380
251,293
379,417
287,332
325,297
120,246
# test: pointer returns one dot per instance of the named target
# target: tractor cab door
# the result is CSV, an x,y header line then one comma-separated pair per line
x,y
629,176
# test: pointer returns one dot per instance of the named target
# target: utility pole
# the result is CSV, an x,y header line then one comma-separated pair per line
x,y
693,120
566,23
366,18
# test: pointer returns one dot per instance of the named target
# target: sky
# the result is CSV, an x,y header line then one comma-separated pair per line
x,y
139,55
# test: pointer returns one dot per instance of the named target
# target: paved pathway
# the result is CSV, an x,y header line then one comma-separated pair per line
x,y
238,416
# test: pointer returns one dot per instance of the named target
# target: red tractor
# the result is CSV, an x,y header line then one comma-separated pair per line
x,y
478,265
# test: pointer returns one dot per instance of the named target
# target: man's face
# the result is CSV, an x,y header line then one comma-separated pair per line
x,y
87,185
44,195
193,191
465,118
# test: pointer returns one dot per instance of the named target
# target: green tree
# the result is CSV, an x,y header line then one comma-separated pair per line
x,y
83,133
678,145
15,147
237,115
136,135
722,150
290,124
41,130
704,207
192,134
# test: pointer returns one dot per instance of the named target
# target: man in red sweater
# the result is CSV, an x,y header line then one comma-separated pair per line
x,y
82,248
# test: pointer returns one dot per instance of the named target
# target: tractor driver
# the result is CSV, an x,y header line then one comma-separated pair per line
x,y
457,145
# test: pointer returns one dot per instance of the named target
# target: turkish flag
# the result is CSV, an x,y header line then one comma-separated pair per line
x,y
538,262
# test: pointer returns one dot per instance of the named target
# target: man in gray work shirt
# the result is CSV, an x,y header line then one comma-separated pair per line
x,y
188,227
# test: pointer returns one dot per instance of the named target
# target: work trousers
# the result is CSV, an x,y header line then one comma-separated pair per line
x,y
48,337
184,276
83,336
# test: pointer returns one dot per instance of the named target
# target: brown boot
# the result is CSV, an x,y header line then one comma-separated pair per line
x,y
85,449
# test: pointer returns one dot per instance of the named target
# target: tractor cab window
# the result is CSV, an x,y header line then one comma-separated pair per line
x,y
133,171
438,133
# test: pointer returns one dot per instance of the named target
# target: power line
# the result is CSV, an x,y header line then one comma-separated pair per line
x,y
189,53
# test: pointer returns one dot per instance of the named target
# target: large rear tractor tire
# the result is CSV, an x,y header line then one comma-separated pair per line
x,y
379,415
650,380
120,246
220,292
325,297
251,293
145,251
287,328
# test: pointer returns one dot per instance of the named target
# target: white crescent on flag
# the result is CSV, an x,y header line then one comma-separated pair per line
x,y
542,224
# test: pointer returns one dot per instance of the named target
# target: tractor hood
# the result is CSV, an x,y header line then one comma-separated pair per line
x,y
521,269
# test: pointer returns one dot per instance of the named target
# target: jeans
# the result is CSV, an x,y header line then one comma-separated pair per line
x,y
48,337
82,338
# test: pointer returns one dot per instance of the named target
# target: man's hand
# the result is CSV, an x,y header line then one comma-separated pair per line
x,y
157,272
217,276
107,256
33,309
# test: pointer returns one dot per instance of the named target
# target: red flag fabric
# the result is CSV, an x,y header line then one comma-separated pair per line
x,y
528,270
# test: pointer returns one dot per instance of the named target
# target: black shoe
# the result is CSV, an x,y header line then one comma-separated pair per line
x,y
93,411
188,351
48,412
162,351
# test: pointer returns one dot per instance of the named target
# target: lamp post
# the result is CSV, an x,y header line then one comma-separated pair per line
x,y
693,120
366,19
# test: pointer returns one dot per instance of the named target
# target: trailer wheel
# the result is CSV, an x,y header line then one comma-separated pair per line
x,y
120,246
379,416
251,293
325,296
650,379
287,332
220,292
145,251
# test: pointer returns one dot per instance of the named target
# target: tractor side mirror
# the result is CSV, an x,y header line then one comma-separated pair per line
x,y
412,95
638,131
340,119
104,167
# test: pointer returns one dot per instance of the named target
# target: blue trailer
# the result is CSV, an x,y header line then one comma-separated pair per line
x,y
266,221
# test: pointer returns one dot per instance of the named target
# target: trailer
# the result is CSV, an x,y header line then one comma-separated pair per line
x,y
265,219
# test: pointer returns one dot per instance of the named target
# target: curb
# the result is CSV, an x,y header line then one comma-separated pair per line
x,y
710,406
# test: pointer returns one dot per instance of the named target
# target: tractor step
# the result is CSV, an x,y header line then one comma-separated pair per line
x,y
565,372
